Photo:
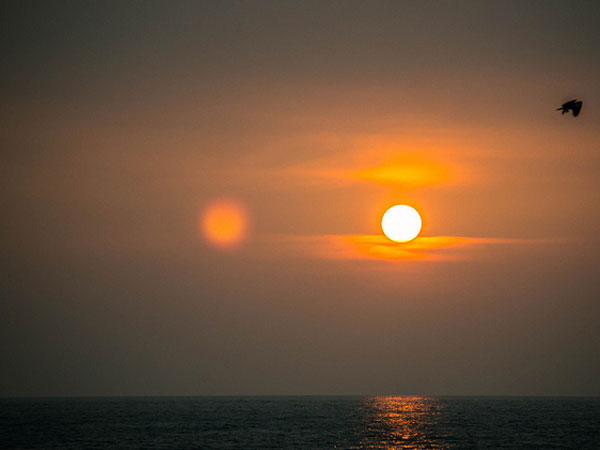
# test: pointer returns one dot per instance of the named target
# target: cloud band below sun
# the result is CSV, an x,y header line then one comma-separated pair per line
x,y
378,247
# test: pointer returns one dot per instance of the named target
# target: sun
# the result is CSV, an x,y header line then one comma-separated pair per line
x,y
401,223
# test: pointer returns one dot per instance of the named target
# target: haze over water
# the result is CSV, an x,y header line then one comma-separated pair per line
x,y
192,195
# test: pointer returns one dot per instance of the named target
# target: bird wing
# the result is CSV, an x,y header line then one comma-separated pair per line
x,y
576,108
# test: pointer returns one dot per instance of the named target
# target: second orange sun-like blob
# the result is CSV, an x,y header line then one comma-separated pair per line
x,y
224,224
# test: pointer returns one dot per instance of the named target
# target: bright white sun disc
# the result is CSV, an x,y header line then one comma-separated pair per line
x,y
401,223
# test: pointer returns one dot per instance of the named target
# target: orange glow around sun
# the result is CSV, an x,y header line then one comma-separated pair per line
x,y
224,224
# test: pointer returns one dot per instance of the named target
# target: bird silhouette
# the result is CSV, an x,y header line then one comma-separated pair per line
x,y
572,105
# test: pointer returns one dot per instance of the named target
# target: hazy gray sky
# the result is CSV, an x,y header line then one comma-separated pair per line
x,y
123,122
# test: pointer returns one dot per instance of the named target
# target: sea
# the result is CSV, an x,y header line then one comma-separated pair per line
x,y
382,422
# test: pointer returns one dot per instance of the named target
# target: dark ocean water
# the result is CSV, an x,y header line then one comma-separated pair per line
x,y
300,423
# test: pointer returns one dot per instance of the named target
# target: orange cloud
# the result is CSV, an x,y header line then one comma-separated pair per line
x,y
405,171
402,171
393,162
378,247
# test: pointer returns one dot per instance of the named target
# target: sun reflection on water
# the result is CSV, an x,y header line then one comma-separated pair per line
x,y
402,423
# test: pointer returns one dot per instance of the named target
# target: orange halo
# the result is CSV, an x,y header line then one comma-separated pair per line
x,y
224,224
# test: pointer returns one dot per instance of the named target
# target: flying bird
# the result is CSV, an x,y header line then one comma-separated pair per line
x,y
573,105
